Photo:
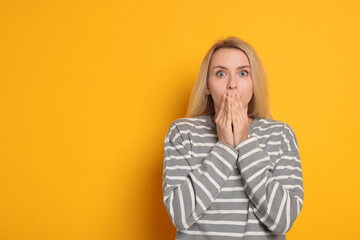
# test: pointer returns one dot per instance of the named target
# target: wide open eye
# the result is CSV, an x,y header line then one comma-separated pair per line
x,y
222,74
244,73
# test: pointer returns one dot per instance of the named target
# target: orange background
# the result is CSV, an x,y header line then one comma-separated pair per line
x,y
88,90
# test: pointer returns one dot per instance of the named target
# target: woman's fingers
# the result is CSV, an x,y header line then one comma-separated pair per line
x,y
222,108
223,122
234,112
241,109
244,113
223,102
240,121
237,106
228,112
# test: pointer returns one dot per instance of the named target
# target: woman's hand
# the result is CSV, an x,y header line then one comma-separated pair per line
x,y
223,122
240,119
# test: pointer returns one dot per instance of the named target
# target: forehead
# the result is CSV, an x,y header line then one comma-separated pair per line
x,y
229,57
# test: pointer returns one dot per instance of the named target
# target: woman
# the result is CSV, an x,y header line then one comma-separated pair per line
x,y
230,170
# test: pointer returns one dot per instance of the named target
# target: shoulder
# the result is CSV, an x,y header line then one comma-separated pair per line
x,y
280,127
183,126
275,124
190,123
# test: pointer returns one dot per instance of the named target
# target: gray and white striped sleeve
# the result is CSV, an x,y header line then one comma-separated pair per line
x,y
188,191
275,189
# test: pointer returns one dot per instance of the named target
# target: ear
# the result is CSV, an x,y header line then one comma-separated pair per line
x,y
208,92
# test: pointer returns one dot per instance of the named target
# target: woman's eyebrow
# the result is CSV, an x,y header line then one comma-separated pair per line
x,y
218,66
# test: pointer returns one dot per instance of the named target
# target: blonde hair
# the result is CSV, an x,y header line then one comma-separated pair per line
x,y
202,104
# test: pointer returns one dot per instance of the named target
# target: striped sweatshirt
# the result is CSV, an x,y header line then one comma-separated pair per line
x,y
214,191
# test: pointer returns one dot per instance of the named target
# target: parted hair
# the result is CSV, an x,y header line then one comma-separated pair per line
x,y
201,103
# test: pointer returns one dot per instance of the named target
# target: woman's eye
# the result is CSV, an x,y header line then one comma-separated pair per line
x,y
220,72
244,73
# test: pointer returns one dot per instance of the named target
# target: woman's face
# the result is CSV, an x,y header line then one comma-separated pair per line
x,y
229,71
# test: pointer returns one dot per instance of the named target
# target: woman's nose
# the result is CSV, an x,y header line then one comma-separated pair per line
x,y
232,84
